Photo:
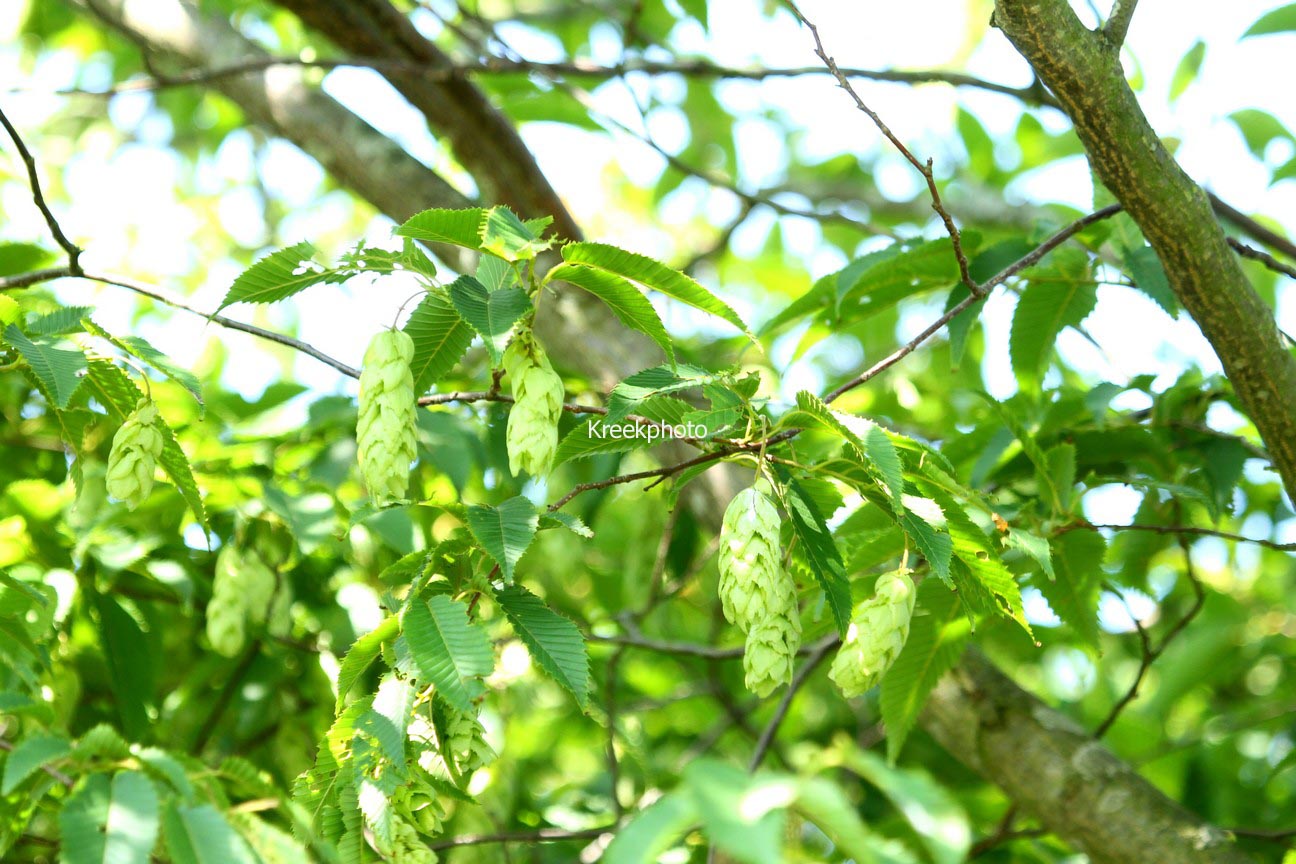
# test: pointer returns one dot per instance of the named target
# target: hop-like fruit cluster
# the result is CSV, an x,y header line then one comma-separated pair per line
x,y
878,630
466,741
756,593
408,847
385,432
245,594
537,406
135,451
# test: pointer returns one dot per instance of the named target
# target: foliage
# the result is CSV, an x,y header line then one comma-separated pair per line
x,y
263,658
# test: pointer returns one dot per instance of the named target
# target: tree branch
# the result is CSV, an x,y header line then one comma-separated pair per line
x,y
1085,74
1060,775
577,69
923,168
1118,23
543,835
281,100
33,179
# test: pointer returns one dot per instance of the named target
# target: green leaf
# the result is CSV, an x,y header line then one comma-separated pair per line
x,y
504,235
447,649
934,814
628,395
459,227
599,435
363,652
1061,462
553,640
29,755
824,803
200,835
653,830
491,313
743,816
937,635
18,258
130,665
980,557
1258,129
1144,267
67,319
110,822
1073,595
923,522
440,339
625,300
1033,545
505,531
1280,20
113,389
142,350
277,276
651,274
59,369
570,521
1186,72
821,551
1045,308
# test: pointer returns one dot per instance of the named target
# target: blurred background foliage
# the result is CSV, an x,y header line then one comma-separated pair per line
x,y
764,191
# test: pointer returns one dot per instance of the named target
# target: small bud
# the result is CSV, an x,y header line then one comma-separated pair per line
x,y
136,448
878,630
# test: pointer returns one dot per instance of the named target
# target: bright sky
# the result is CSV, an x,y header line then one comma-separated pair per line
x,y
132,217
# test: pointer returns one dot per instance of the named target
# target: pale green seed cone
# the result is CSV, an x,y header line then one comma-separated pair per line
x,y
467,741
770,653
135,451
226,613
385,430
751,571
532,433
877,633
408,847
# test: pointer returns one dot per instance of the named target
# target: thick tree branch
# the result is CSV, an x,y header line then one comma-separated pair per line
x,y
1083,70
483,139
1061,776
280,100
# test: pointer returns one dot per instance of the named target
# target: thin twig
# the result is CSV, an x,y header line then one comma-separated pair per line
x,y
1192,530
33,178
700,69
817,656
1151,655
225,696
976,293
1118,23
58,775
923,168
228,323
543,835
1251,227
1263,257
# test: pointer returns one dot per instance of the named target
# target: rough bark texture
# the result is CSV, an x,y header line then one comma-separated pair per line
x,y
1059,774
1083,70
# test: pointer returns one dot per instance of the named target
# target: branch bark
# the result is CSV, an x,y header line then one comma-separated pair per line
x,y
1083,70
1060,775
281,101
483,139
